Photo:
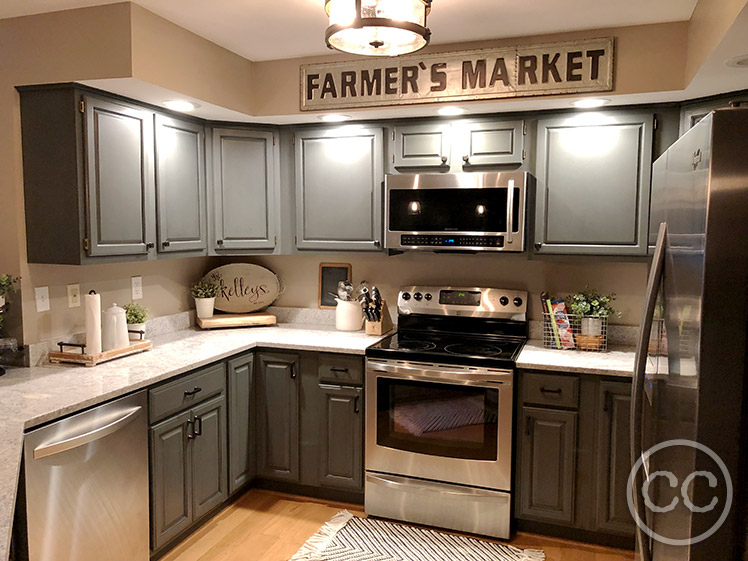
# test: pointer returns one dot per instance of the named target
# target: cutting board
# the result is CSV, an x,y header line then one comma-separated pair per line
x,y
236,320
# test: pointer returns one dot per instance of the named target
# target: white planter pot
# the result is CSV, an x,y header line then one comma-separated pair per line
x,y
2,301
592,326
136,327
348,316
204,307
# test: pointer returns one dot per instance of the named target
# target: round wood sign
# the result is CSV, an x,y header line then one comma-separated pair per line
x,y
243,288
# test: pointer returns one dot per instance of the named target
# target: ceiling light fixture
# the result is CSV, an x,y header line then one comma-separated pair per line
x,y
377,27
450,111
738,62
180,105
334,118
590,102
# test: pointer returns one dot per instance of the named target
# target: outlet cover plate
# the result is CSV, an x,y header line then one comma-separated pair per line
x,y
137,287
42,298
74,296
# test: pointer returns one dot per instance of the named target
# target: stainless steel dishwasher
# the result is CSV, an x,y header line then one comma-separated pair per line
x,y
87,485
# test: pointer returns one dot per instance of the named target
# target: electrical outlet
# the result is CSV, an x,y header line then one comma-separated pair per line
x,y
42,298
74,296
137,287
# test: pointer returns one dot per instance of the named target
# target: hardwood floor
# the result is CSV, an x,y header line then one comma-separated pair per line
x,y
267,526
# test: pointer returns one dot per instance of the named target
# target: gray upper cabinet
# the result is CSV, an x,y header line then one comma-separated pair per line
x,y
244,190
241,421
180,185
341,431
613,458
119,178
491,143
339,175
593,183
278,416
422,146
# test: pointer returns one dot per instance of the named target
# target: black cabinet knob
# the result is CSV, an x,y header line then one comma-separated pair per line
x,y
150,245
444,159
219,242
538,246
165,244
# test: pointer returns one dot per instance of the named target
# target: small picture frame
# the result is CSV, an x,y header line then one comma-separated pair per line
x,y
330,274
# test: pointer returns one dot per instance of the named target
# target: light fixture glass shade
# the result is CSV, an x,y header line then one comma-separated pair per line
x,y
377,27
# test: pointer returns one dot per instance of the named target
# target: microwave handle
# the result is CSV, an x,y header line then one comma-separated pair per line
x,y
510,212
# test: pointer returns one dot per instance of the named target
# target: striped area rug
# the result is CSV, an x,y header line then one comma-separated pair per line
x,y
349,538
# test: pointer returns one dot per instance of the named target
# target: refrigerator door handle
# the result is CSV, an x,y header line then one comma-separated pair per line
x,y
637,387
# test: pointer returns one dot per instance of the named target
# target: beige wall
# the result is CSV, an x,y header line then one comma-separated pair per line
x,y
558,276
709,23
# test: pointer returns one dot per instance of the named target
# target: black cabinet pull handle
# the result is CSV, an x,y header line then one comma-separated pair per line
x,y
338,369
190,430
150,245
606,403
355,405
293,371
196,390
198,426
543,389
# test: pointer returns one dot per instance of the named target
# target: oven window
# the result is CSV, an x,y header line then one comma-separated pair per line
x,y
451,210
437,419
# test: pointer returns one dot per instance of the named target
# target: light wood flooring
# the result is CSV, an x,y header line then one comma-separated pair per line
x,y
267,526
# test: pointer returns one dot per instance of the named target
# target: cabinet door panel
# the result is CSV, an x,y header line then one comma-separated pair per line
x,y
341,428
422,146
613,458
171,480
180,185
493,144
244,189
593,184
548,463
119,178
339,189
278,412
209,456
241,421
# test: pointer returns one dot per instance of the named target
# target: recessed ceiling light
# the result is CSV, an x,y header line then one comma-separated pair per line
x,y
450,111
738,62
334,118
180,105
589,102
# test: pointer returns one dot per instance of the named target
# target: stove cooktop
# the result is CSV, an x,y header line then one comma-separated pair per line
x,y
449,348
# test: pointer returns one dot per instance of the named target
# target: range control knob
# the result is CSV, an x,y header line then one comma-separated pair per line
x,y
406,296
427,296
504,300
418,296
518,301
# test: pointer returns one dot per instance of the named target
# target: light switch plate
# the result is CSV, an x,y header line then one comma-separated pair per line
x,y
74,296
42,298
137,287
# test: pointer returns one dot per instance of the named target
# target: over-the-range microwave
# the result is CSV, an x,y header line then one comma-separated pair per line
x,y
457,211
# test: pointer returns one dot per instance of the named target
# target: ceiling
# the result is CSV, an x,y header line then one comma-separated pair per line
x,y
267,30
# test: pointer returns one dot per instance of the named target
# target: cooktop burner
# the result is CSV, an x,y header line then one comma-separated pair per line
x,y
416,345
471,349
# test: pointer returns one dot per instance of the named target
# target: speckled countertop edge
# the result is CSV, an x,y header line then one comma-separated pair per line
x,y
618,361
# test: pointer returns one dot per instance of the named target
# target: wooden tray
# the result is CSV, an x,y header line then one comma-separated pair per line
x,y
221,321
56,357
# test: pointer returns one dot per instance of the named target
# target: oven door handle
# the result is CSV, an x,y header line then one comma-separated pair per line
x,y
510,212
438,374
433,487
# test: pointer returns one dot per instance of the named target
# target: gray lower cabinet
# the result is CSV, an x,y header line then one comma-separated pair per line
x,y
339,175
593,183
244,190
209,457
548,464
422,146
180,185
278,416
341,443
613,458
241,421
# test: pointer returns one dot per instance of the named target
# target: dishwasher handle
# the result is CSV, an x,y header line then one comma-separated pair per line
x,y
45,450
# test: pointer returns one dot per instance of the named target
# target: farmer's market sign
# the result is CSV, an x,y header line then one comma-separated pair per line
x,y
553,68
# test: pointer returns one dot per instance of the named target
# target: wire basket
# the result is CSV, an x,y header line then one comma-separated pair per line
x,y
587,334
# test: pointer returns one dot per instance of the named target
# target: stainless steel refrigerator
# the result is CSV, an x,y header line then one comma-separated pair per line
x,y
689,380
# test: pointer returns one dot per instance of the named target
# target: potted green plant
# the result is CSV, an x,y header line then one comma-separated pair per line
x,y
204,294
591,307
7,285
136,316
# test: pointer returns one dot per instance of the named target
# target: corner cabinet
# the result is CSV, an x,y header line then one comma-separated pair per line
x,y
241,415
339,178
244,190
593,183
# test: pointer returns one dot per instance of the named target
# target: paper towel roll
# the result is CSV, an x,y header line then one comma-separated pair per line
x,y
92,303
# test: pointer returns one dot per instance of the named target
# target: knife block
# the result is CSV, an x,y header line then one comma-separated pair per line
x,y
382,326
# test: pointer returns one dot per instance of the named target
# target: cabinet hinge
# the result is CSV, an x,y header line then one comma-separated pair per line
x,y
524,128
82,106
85,244
655,123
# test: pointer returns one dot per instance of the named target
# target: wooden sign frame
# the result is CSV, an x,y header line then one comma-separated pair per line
x,y
329,275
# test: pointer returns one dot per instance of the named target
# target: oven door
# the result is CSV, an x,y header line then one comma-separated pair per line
x,y
440,423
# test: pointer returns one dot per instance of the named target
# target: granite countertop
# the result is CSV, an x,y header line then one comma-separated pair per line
x,y
32,396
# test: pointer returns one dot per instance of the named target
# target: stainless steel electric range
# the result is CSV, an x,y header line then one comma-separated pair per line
x,y
439,409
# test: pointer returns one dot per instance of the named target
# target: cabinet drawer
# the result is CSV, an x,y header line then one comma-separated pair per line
x,y
548,389
185,392
339,369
